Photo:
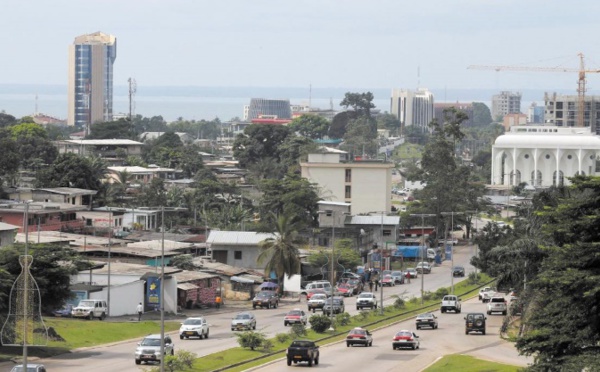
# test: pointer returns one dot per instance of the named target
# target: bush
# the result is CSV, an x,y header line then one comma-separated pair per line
x,y
183,360
440,293
320,323
282,337
399,302
342,319
267,345
250,339
427,295
298,330
474,278
364,315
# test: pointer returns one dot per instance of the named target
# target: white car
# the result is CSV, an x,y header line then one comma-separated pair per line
x,y
243,321
194,327
366,299
497,304
148,350
90,309
30,368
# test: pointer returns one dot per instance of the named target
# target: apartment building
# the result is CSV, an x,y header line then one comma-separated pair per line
x,y
412,108
505,103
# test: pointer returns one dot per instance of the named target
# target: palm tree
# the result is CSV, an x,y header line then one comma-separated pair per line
x,y
281,251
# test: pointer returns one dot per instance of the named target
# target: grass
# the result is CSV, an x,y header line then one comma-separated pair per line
x,y
229,359
84,333
466,363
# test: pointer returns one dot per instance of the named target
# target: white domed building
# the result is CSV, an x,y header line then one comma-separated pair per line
x,y
543,156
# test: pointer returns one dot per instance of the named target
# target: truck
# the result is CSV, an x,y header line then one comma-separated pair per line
x,y
302,351
451,302
410,251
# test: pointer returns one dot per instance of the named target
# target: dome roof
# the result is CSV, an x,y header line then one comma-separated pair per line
x,y
525,140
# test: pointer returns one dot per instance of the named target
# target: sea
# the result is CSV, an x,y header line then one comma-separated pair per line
x,y
225,103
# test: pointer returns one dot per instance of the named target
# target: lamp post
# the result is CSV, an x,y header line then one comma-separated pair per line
x,y
162,292
422,215
451,248
381,265
473,234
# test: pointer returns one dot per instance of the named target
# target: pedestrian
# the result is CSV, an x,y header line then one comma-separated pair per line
x,y
218,301
370,286
140,311
376,284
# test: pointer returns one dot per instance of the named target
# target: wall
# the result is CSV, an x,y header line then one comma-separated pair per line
x,y
123,298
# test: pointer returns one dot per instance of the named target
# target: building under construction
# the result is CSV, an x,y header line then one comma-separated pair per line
x,y
562,111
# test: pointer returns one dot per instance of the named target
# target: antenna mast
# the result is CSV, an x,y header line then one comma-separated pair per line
x,y
132,90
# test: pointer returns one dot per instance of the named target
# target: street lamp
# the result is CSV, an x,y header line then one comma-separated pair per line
x,y
381,265
451,248
422,215
473,234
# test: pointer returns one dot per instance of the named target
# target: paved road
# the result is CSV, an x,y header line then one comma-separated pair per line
x,y
449,338
119,357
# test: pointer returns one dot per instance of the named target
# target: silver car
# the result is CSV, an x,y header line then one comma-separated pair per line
x,y
243,321
148,350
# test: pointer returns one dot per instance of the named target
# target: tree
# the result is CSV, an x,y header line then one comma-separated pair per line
x,y
389,122
340,121
311,126
10,159
481,114
259,141
152,194
361,137
345,257
70,170
111,129
281,251
183,261
6,120
361,103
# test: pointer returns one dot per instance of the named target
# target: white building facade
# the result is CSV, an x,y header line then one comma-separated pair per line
x,y
543,156
412,107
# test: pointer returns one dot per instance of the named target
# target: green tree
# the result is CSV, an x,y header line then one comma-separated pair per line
x,y
121,128
389,122
6,120
361,137
361,103
281,251
481,114
258,142
25,130
70,170
345,257
311,126
340,121
10,159
152,194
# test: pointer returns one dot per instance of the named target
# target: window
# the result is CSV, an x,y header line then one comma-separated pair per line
x,y
348,192
348,175
237,255
387,232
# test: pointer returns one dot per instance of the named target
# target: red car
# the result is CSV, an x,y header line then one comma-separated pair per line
x,y
359,336
311,292
344,289
388,281
405,338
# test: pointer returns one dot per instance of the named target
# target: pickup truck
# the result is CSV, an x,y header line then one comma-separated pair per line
x,y
451,302
302,351
486,291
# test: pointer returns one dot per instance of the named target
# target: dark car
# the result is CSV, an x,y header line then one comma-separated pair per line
x,y
266,299
65,311
335,304
458,271
475,322
356,284
302,351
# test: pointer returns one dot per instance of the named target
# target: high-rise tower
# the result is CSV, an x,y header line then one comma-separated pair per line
x,y
91,59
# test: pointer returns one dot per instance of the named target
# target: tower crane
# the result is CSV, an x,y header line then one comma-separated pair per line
x,y
582,71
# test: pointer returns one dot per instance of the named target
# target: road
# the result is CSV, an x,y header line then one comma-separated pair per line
x,y
119,357
449,338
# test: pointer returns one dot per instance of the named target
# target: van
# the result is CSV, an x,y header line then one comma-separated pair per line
x,y
317,286
90,309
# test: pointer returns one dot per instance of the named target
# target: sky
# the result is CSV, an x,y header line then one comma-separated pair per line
x,y
367,44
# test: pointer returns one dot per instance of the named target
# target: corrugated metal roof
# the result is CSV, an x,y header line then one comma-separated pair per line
x,y
374,220
186,286
237,237
169,245
7,226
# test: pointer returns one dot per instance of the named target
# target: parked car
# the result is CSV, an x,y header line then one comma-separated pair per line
x,y
316,302
475,322
317,285
30,368
314,291
148,350
243,321
387,281
423,267
458,271
349,275
90,309
427,320
405,338
497,304
359,336
64,312
302,351
451,303
356,285
295,316
366,299
411,273
343,289
194,327
398,277
266,299
335,305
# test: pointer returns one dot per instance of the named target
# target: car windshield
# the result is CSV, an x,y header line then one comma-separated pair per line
x,y
358,332
427,315
302,344
404,334
365,295
295,313
397,273
319,296
387,277
243,316
410,269
353,282
263,295
192,322
20,369
85,304
151,342
476,316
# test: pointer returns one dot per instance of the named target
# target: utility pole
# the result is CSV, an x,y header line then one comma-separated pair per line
x,y
451,214
422,216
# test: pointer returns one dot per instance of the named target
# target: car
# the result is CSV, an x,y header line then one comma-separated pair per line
x,y
405,338
497,304
485,290
302,351
335,304
343,289
316,302
398,277
295,316
487,296
426,320
359,336
90,309
194,327
458,271
451,303
30,368
243,321
349,275
366,299
266,299
64,312
148,350
423,267
388,281
314,291
431,253
411,273
475,322
356,285
323,285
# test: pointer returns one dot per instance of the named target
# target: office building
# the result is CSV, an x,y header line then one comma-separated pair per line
x,y
90,95
261,108
412,108
505,103
535,114
562,111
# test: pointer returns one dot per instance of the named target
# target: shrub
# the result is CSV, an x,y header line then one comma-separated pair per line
x,y
250,339
267,345
427,295
342,319
298,330
474,278
320,323
282,337
399,302
440,293
364,314
183,360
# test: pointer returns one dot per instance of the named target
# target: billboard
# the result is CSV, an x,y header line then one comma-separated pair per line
x,y
153,292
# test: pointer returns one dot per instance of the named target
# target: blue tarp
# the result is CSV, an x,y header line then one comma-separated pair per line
x,y
408,251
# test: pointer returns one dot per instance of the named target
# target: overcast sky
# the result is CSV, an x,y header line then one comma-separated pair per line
x,y
294,43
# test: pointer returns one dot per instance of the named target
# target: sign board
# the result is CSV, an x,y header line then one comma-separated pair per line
x,y
153,292
448,252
